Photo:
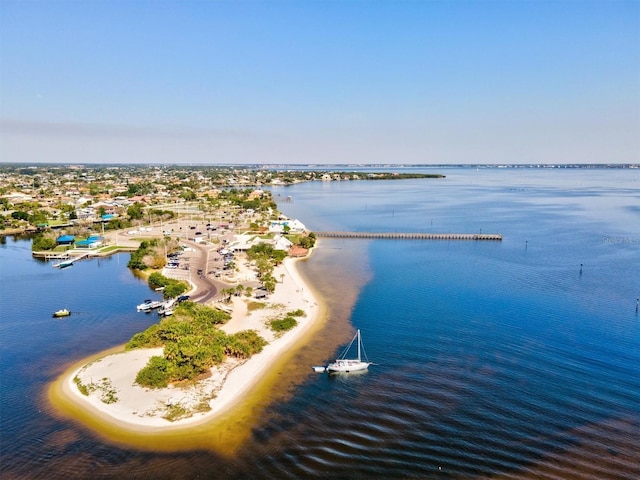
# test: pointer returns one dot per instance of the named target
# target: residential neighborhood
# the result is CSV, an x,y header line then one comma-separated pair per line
x,y
36,197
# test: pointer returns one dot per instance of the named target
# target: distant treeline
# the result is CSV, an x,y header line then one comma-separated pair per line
x,y
402,176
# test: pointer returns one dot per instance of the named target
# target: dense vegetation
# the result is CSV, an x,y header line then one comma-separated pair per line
x,y
286,323
266,257
192,344
172,288
42,242
307,241
137,260
266,251
151,254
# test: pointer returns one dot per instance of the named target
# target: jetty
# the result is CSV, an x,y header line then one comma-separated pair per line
x,y
413,236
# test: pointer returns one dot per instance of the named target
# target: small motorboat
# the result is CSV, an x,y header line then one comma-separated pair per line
x,y
148,305
61,313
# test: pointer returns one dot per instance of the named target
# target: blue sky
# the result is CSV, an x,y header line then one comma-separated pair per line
x,y
430,82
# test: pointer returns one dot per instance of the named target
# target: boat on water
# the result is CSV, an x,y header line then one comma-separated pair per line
x,y
148,305
346,365
64,264
61,313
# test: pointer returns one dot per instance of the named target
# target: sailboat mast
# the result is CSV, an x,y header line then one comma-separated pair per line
x,y
359,345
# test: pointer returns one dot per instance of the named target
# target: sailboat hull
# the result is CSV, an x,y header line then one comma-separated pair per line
x,y
346,366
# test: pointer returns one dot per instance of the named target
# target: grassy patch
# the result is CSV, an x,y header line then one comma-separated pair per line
x,y
175,412
251,306
110,248
107,391
283,324
84,389
203,406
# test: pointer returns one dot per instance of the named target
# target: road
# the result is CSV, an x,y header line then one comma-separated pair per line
x,y
202,257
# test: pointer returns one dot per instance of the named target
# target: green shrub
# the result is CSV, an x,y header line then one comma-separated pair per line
x,y
283,325
175,289
172,288
244,344
155,374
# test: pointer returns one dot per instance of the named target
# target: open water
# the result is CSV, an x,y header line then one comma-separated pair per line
x,y
512,359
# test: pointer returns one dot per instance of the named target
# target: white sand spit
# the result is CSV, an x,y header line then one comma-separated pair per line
x,y
110,381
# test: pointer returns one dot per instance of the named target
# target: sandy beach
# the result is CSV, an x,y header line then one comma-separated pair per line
x,y
115,397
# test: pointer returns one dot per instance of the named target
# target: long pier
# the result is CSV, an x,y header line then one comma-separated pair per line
x,y
413,236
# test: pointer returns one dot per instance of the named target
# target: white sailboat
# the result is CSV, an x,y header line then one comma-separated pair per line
x,y
346,365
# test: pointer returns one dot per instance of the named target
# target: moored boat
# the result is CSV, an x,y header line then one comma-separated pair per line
x,y
63,264
346,365
148,305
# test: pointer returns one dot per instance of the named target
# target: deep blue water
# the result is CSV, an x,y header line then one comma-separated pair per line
x,y
492,359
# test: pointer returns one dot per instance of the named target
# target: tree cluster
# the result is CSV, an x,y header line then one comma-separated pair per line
x,y
266,257
192,344
42,242
150,254
171,288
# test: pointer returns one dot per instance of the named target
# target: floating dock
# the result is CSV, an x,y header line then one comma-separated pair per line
x,y
413,236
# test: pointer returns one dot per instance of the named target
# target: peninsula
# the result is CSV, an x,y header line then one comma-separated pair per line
x,y
117,398
237,256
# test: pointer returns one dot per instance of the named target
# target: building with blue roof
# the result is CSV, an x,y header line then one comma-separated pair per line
x,y
65,239
92,242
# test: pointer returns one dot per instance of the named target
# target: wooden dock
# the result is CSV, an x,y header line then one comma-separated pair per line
x,y
413,236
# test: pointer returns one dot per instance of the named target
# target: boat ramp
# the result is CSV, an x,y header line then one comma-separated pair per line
x,y
69,261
